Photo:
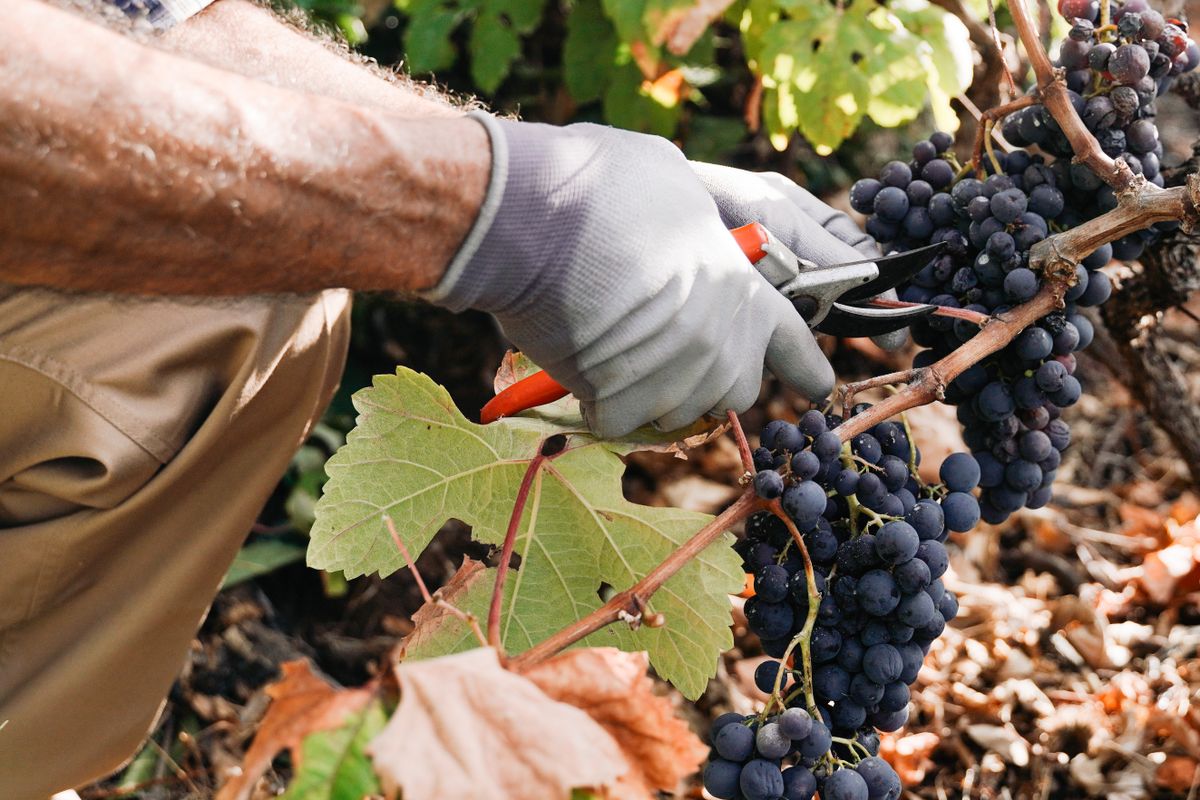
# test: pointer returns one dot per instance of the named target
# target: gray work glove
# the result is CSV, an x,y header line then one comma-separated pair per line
x,y
801,222
605,260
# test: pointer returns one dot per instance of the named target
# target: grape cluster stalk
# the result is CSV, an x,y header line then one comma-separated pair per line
x,y
847,564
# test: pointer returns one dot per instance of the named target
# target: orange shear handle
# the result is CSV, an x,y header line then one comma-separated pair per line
x,y
539,388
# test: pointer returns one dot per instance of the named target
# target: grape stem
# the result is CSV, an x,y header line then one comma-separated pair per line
x,y
849,390
634,599
1052,90
803,639
983,129
949,312
743,445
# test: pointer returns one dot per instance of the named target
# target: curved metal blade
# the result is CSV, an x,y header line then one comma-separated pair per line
x,y
895,270
853,321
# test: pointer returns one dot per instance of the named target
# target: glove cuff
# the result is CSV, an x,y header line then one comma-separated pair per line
x,y
443,293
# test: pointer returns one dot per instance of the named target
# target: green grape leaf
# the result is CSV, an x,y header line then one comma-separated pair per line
x,y
820,55
946,54
588,52
260,557
627,17
427,45
494,48
414,458
897,73
335,765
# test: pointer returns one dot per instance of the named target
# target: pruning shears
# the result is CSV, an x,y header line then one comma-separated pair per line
x,y
833,299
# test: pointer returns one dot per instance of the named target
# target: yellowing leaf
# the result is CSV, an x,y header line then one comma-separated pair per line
x,y
415,458
468,729
301,703
612,687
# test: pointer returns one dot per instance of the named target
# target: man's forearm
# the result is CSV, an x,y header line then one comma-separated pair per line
x,y
243,37
123,168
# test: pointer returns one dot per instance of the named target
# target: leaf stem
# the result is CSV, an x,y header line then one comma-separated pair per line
x,y
506,552
425,595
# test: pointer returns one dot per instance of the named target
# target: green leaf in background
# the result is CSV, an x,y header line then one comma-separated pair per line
x,y
627,16
494,48
711,138
588,52
415,458
896,74
261,557
427,46
945,51
335,765
627,104
818,55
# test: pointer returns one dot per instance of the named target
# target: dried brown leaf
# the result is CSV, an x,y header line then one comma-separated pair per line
x,y
1170,573
468,728
614,690
680,28
1177,774
1004,741
910,755
429,618
301,703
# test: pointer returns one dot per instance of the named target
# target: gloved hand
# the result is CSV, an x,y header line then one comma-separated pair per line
x,y
606,261
801,222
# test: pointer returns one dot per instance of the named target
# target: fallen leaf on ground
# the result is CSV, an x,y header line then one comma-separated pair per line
x,y
614,690
1003,741
1177,774
909,755
469,729
1170,573
301,703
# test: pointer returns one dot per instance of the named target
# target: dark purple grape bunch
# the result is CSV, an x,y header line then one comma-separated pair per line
x,y
1010,404
1115,73
785,756
875,535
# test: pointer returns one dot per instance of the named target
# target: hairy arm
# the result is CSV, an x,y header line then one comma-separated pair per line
x,y
126,168
243,37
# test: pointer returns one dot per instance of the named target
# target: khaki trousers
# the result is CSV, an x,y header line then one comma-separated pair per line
x,y
139,439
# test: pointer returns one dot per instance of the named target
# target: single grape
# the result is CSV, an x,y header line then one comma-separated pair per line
x,y
795,723
961,510
798,783
862,195
881,780
878,594
734,742
768,484
896,173
761,780
896,542
959,472
891,204
771,742
845,784
771,583
721,778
